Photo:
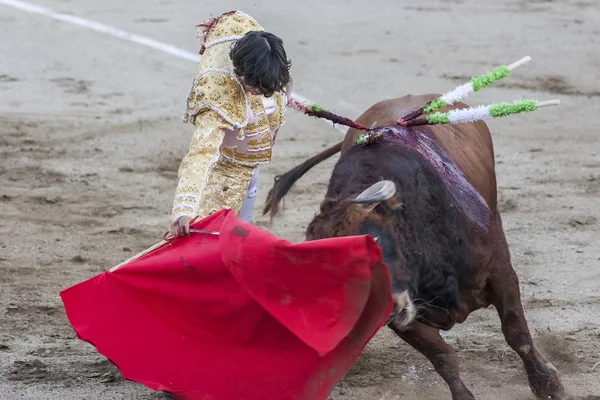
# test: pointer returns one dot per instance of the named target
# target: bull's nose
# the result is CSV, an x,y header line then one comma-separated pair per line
x,y
401,299
404,310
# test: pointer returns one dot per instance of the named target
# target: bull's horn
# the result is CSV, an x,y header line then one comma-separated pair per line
x,y
380,191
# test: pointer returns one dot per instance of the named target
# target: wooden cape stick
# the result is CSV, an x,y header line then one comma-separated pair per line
x,y
143,253
157,246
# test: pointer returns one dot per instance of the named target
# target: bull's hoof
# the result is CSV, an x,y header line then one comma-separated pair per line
x,y
547,384
466,396
460,392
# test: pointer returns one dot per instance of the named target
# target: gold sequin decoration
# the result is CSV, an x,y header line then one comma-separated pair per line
x,y
263,122
274,121
236,24
216,56
251,129
183,210
256,104
281,99
260,144
215,90
250,158
227,187
187,198
195,168
212,176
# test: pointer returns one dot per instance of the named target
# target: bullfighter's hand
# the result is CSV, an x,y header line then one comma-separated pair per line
x,y
181,227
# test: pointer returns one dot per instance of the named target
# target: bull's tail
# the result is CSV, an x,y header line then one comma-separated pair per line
x,y
283,183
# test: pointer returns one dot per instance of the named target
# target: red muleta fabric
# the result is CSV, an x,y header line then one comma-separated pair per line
x,y
243,315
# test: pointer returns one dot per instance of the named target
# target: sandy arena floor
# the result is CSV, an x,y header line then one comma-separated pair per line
x,y
90,142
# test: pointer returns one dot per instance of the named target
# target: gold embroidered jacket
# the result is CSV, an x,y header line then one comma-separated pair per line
x,y
234,130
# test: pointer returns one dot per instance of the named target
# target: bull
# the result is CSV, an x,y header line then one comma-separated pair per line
x,y
428,196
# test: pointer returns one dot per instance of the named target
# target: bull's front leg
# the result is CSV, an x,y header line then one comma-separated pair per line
x,y
544,380
428,341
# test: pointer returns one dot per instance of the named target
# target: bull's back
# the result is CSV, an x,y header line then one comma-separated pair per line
x,y
469,144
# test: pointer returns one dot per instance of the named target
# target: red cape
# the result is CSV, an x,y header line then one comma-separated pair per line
x,y
243,315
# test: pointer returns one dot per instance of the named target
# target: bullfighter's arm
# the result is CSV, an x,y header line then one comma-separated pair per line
x,y
290,87
196,166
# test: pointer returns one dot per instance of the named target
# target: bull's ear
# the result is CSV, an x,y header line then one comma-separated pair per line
x,y
375,194
368,207
394,204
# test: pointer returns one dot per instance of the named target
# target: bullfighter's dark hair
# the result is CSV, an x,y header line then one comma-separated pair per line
x,y
259,57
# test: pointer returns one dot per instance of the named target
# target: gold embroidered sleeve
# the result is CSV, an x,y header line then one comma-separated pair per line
x,y
196,166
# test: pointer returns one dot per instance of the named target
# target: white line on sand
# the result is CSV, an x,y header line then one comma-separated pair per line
x,y
109,30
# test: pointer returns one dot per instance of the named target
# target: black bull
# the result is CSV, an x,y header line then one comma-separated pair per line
x,y
428,196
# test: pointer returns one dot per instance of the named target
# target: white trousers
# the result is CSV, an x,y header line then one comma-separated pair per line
x,y
248,206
